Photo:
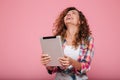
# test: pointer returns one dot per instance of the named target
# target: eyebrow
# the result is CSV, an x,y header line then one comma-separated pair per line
x,y
73,10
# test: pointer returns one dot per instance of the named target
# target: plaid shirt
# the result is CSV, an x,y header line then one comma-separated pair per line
x,y
85,58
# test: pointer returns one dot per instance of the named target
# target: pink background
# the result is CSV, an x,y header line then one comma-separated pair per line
x,y
23,22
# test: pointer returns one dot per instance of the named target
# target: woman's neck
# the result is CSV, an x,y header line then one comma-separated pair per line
x,y
71,31
70,34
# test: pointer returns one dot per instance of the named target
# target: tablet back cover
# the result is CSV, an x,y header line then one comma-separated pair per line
x,y
53,47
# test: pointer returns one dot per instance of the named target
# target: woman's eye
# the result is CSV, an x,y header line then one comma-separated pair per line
x,y
73,12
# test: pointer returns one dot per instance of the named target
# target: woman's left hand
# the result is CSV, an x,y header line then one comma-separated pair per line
x,y
65,61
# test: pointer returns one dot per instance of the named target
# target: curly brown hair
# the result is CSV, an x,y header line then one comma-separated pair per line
x,y
81,37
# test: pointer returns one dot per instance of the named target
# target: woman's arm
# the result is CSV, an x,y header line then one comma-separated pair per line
x,y
85,61
83,64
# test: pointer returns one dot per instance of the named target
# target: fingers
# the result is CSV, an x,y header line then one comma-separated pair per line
x,y
44,55
45,59
45,62
65,56
64,61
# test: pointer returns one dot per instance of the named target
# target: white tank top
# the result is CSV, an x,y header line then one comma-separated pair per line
x,y
72,52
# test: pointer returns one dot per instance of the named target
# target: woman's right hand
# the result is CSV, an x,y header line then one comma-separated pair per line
x,y
45,59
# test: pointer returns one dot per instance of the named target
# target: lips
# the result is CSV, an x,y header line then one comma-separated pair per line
x,y
69,18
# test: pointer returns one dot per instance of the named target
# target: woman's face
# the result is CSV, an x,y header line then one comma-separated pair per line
x,y
72,17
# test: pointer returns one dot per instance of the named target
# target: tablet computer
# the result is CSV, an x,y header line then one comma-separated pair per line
x,y
52,45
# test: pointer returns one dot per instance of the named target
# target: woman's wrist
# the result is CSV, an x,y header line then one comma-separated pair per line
x,y
71,61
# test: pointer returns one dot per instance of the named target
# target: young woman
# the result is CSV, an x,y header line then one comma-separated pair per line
x,y
77,39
